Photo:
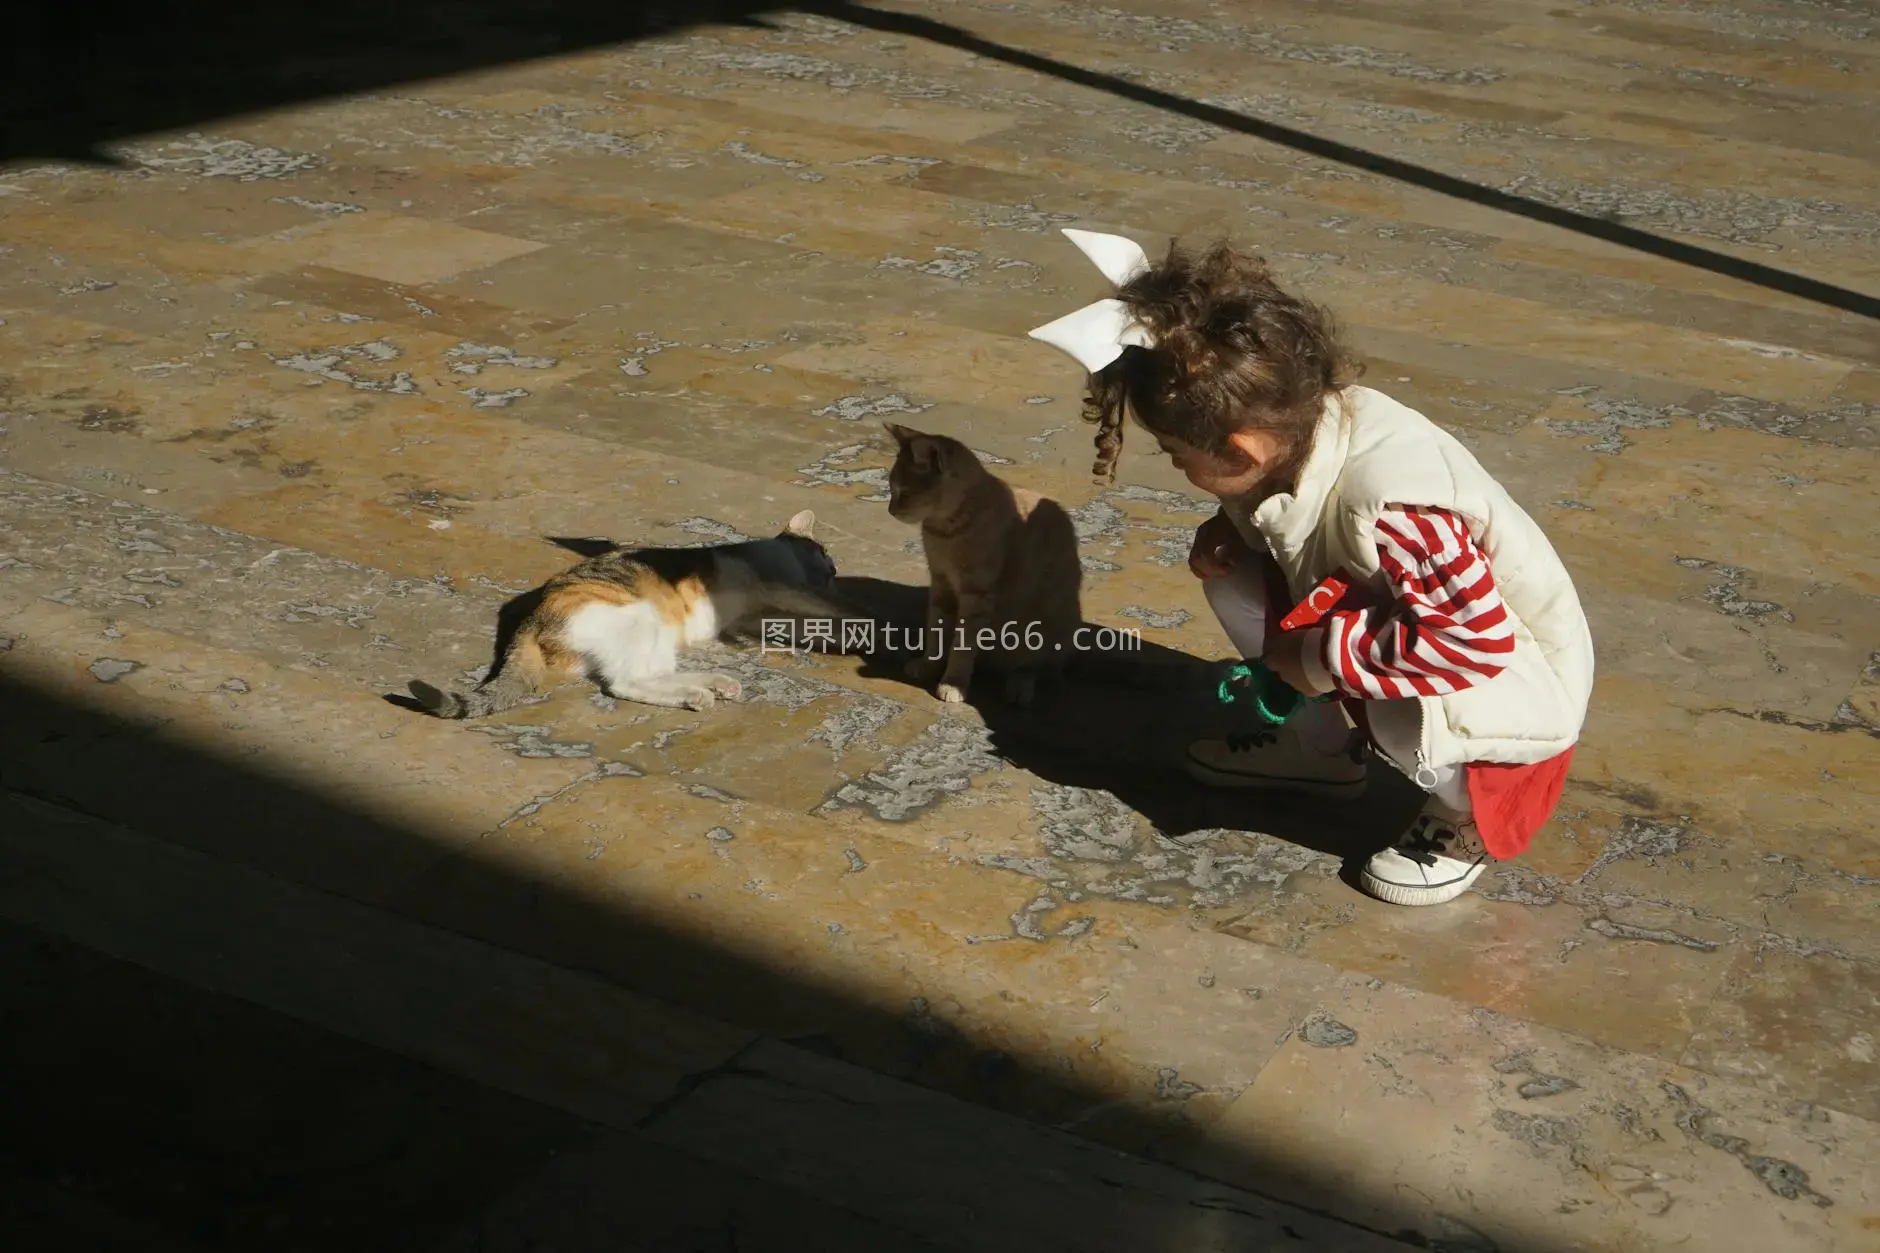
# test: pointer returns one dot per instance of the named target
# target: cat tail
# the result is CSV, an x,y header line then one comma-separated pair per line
x,y
523,671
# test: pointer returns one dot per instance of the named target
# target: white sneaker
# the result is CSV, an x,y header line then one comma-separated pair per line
x,y
1278,760
1435,861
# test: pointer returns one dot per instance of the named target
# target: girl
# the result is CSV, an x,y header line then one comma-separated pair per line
x,y
1440,614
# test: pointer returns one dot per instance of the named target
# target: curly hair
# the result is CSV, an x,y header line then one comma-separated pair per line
x,y
1233,352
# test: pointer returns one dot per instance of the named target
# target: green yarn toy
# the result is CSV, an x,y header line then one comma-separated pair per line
x,y
1274,699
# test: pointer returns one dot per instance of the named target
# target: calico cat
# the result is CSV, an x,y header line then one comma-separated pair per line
x,y
623,617
1000,559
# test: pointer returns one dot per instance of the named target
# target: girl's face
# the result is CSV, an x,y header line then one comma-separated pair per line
x,y
1225,475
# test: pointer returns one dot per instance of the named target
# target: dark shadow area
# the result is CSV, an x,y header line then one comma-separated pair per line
x,y
147,1113
584,546
75,77
1119,722
509,619
1602,228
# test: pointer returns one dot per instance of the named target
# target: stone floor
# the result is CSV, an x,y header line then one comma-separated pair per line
x,y
291,402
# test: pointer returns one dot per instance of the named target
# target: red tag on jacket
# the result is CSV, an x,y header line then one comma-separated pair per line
x,y
1320,601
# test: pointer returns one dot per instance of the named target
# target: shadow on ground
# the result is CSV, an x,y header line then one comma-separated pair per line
x,y
151,1113
80,76
1123,731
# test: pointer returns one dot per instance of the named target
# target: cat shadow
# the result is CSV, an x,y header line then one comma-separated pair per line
x,y
585,546
1126,736
509,619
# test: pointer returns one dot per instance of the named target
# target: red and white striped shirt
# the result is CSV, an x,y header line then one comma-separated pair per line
x,y
1444,629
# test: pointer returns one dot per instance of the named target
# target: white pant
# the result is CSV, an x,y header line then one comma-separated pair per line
x,y
1239,603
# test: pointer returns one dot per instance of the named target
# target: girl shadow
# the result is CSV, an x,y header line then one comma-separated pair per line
x,y
1122,726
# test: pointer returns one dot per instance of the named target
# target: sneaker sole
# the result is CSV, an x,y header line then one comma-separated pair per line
x,y
1340,788
1414,895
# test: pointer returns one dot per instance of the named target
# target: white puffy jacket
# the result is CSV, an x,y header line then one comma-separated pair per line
x,y
1371,452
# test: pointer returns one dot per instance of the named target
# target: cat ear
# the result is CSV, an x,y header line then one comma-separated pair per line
x,y
902,434
923,454
801,524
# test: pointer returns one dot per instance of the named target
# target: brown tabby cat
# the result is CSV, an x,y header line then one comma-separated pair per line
x,y
1002,564
623,617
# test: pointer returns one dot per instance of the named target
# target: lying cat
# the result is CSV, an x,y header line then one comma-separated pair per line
x,y
1002,565
622,618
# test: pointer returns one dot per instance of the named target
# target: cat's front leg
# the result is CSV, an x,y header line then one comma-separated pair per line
x,y
977,619
721,685
930,654
693,691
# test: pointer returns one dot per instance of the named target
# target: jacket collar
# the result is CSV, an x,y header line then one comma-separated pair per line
x,y
1289,520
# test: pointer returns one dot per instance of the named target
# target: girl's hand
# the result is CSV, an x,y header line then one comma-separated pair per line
x,y
1217,549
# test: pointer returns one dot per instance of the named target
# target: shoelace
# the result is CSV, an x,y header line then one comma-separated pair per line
x,y
1431,838
1426,841
1241,742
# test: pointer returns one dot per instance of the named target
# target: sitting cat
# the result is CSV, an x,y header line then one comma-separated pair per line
x,y
1002,564
622,618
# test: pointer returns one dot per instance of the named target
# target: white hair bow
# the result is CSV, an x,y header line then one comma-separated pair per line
x,y
1097,334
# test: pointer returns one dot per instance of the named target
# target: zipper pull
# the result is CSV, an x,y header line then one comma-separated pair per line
x,y
1425,777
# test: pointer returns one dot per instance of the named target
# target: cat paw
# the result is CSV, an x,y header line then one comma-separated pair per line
x,y
699,699
950,693
724,685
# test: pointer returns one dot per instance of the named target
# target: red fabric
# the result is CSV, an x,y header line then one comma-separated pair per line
x,y
1510,803
1513,802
